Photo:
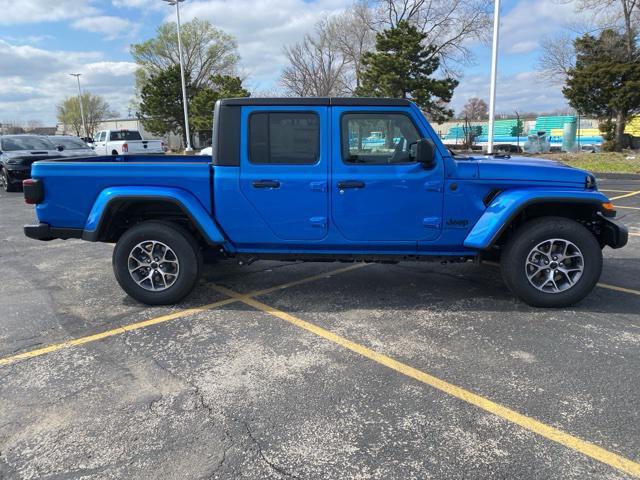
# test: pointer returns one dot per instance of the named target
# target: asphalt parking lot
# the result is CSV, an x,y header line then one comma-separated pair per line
x,y
318,371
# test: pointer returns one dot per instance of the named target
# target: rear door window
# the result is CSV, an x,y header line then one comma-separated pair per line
x,y
281,138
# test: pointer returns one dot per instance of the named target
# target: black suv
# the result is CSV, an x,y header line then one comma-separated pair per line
x,y
17,153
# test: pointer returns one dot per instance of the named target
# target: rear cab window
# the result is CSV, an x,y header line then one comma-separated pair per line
x,y
124,135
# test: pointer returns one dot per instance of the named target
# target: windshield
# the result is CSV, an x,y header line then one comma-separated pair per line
x,y
125,135
12,144
70,143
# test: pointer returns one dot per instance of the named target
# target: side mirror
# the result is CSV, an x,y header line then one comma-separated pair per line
x,y
60,148
424,151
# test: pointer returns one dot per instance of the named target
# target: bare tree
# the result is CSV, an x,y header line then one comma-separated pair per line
x,y
207,52
556,58
449,25
475,109
354,35
317,66
622,15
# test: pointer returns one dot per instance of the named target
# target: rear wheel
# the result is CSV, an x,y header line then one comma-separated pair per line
x,y
157,263
552,262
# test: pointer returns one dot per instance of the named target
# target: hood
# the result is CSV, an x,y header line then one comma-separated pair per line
x,y
529,169
27,157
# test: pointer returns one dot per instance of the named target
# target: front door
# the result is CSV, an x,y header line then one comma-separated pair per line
x,y
284,169
379,192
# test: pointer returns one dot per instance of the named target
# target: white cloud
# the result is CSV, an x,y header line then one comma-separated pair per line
x,y
523,92
529,20
108,26
523,47
135,3
36,11
262,28
35,80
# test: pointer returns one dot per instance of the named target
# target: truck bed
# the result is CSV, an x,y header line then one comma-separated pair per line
x,y
72,185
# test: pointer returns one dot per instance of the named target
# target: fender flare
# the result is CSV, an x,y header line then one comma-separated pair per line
x,y
507,205
186,201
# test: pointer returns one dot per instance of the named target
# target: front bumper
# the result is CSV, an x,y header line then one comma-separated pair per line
x,y
613,233
17,174
43,231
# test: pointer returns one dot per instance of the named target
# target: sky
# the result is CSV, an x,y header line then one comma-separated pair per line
x,y
42,41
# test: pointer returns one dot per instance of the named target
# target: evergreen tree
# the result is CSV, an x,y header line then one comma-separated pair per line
x,y
604,83
220,86
401,67
161,108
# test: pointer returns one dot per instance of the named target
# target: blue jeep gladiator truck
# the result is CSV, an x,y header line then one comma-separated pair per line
x,y
347,179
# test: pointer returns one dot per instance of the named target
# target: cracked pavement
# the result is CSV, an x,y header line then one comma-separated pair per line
x,y
234,393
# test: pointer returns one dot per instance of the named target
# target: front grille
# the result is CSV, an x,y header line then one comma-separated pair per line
x,y
34,158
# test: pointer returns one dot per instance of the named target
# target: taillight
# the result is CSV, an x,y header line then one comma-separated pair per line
x,y
33,191
125,148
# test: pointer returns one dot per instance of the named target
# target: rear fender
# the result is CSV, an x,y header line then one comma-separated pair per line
x,y
506,207
188,203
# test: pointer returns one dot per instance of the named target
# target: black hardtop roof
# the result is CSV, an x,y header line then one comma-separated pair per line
x,y
317,101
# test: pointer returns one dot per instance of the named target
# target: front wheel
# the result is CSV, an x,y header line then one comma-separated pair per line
x,y
157,263
552,262
5,182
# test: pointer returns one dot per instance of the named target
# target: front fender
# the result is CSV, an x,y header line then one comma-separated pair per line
x,y
185,200
506,206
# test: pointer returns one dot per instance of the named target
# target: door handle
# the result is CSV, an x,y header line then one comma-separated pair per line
x,y
350,184
266,184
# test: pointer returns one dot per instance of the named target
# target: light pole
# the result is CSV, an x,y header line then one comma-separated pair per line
x,y
494,69
184,88
84,125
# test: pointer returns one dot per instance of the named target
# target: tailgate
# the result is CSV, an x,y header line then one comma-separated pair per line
x,y
144,146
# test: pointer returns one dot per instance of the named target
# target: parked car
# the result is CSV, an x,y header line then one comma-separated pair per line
x,y
208,151
124,142
72,146
17,154
288,181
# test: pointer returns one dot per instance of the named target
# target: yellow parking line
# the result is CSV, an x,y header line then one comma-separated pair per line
x,y
619,289
164,318
115,331
599,284
630,194
320,276
628,208
551,433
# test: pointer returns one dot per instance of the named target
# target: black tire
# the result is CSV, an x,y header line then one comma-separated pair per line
x,y
533,233
185,249
7,186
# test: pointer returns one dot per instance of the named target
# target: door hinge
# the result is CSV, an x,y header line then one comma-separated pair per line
x,y
431,222
318,222
318,186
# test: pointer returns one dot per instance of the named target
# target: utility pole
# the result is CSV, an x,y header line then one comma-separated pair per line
x,y
184,88
494,70
84,124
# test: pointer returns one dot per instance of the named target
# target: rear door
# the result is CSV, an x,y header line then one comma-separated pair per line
x,y
380,194
284,165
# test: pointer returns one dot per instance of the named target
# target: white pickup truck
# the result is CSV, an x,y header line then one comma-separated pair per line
x,y
123,142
